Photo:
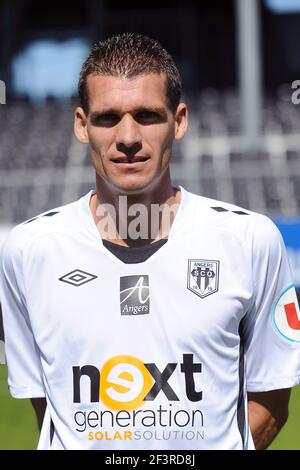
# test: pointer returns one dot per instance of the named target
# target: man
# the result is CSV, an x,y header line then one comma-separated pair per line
x,y
141,315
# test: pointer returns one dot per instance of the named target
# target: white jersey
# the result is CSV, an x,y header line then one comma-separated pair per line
x,y
150,355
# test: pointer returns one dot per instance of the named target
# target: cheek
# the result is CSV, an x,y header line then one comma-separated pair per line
x,y
96,161
100,142
160,139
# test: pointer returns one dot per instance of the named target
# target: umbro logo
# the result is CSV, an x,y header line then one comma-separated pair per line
x,y
77,277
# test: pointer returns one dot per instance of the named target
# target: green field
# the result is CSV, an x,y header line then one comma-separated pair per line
x,y
18,428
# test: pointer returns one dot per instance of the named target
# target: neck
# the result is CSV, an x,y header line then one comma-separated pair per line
x,y
135,219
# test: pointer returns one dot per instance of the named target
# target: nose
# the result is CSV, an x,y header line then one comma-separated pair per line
x,y
128,138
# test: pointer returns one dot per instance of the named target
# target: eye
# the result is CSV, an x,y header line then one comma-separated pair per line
x,y
148,117
106,120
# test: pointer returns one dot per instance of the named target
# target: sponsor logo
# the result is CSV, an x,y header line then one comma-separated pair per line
x,y
286,315
77,277
149,400
125,382
203,276
134,295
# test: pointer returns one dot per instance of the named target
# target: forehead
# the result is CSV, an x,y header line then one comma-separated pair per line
x,y
126,93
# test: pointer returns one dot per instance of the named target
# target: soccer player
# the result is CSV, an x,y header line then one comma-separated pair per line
x,y
143,316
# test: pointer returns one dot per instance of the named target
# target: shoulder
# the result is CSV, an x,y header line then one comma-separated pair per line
x,y
250,227
58,220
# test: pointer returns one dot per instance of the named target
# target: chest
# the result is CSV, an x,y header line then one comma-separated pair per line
x,y
196,287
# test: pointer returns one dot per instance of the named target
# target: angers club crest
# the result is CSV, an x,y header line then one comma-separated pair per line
x,y
203,276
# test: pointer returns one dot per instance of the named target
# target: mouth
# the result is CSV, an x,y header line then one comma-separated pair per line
x,y
130,160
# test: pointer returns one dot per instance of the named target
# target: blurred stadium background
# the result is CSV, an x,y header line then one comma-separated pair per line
x,y
240,63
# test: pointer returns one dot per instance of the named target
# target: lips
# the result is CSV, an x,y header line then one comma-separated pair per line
x,y
128,160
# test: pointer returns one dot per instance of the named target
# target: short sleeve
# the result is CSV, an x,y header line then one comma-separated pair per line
x,y
272,327
21,351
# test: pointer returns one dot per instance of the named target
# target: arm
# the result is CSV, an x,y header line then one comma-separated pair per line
x,y
39,405
268,412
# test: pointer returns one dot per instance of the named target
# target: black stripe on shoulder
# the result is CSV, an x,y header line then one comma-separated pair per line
x,y
240,212
31,220
49,214
220,209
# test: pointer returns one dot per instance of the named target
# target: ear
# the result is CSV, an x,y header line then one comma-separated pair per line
x,y
181,121
80,126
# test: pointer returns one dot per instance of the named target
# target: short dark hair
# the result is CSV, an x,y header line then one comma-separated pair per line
x,y
129,55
